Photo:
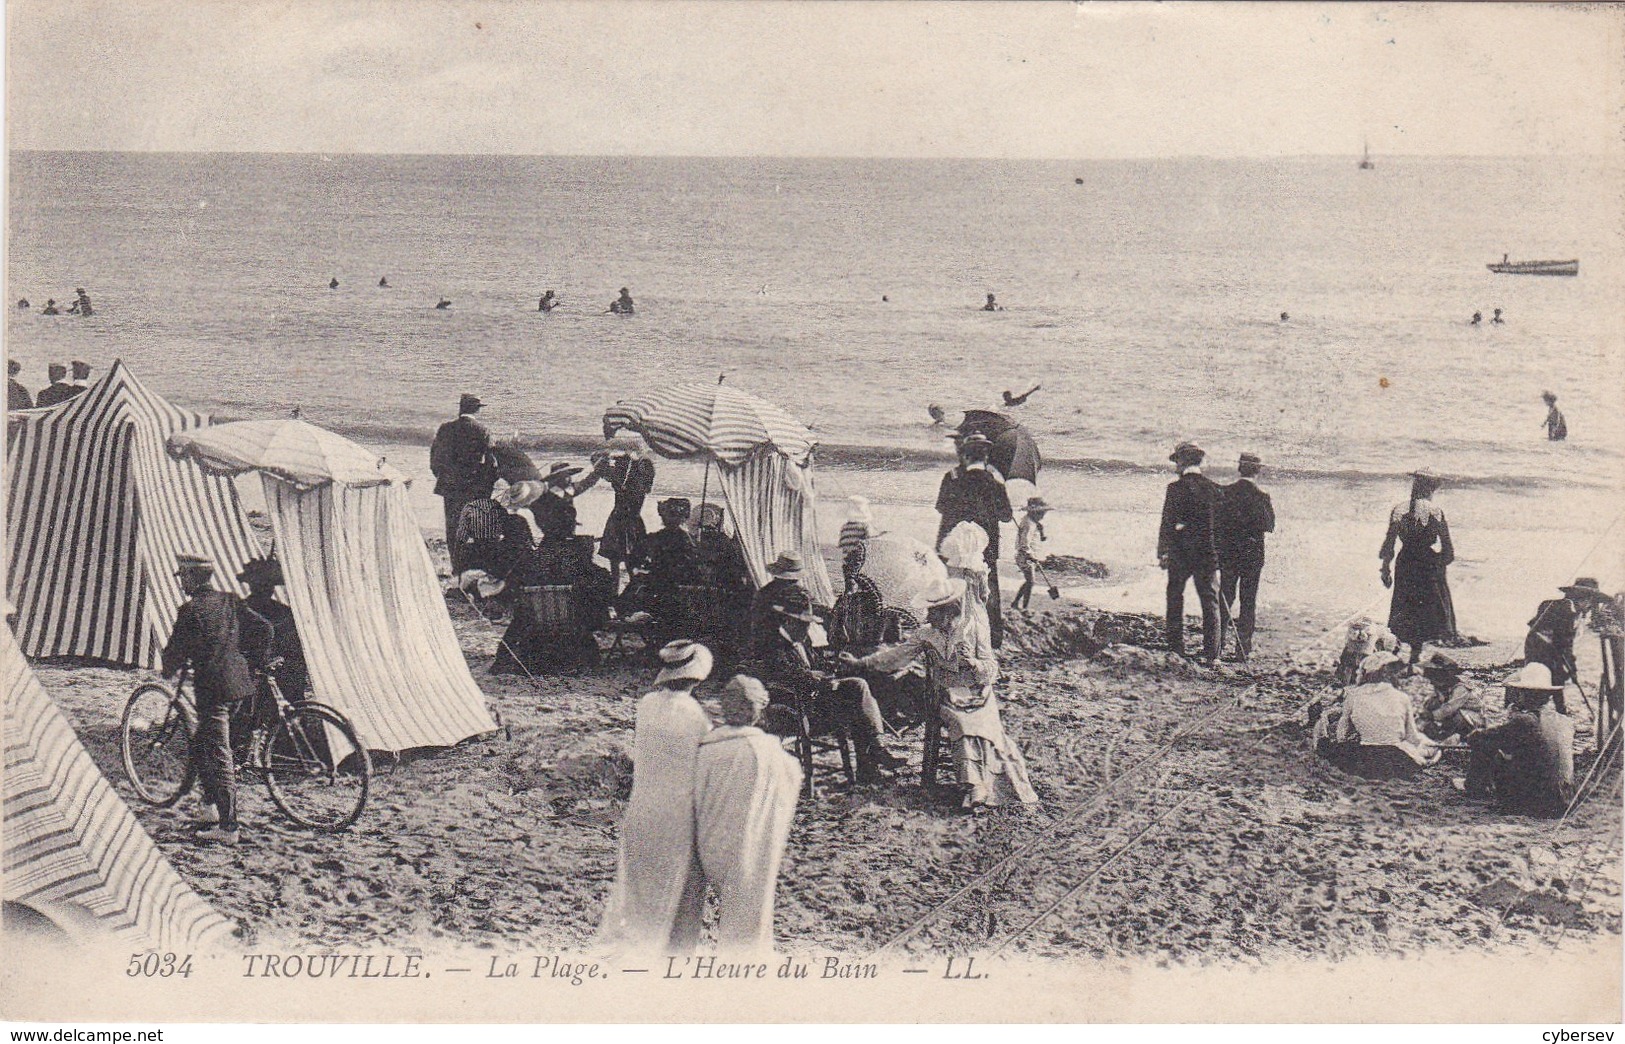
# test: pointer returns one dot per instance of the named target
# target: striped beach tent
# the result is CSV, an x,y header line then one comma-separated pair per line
x,y
371,615
73,852
97,510
764,460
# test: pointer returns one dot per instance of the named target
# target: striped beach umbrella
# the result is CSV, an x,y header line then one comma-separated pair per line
x,y
692,420
296,452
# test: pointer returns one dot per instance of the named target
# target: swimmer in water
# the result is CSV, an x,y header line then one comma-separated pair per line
x,y
622,305
1019,400
333,284
884,299
445,302
1284,317
50,307
22,302
938,414
383,282
547,302
1496,318
1478,317
992,305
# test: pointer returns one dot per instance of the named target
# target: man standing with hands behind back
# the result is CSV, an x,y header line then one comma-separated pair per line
x,y
1245,515
1186,548
973,492
464,469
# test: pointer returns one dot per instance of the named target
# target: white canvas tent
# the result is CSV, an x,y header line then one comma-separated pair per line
x,y
370,611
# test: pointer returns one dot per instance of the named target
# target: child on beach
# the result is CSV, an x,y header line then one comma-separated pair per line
x,y
1032,520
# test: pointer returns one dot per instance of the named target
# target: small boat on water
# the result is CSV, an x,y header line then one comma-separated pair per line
x,y
1553,268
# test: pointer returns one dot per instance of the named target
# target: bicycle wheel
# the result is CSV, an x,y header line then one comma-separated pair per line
x,y
155,739
316,770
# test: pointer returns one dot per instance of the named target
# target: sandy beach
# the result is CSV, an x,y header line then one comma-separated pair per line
x,y
1262,854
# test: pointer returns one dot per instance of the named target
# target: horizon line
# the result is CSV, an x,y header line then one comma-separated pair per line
x,y
809,156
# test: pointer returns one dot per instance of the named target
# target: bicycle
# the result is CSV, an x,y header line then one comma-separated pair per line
x,y
315,769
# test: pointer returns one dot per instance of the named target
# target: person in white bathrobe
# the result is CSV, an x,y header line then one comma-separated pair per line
x,y
655,905
745,790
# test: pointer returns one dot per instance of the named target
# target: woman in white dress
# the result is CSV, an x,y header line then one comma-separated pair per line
x,y
655,904
957,648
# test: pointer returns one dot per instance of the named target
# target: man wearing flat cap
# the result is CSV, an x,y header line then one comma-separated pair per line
x,y
973,492
464,469
1244,515
1526,764
745,790
207,637
1187,549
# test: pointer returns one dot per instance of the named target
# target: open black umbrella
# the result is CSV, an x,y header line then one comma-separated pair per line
x,y
514,464
1014,452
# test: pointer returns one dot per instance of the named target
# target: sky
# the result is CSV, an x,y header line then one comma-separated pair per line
x,y
744,78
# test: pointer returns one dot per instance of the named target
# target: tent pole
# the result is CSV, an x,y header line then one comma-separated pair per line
x,y
705,489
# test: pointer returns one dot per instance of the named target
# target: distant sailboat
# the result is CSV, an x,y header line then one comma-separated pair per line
x,y
1365,159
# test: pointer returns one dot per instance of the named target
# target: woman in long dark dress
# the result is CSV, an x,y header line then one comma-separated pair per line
x,y
1421,610
632,474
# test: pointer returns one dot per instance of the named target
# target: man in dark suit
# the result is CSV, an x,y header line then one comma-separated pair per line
x,y
1186,548
1245,515
972,492
60,390
463,468
207,637
17,397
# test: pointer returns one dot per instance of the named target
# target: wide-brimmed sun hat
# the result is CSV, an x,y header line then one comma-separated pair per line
x,y
1584,587
1532,677
685,661
559,472
941,590
518,495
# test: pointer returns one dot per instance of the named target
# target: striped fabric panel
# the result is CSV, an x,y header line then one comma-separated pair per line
x,y
378,639
73,851
689,419
97,512
774,507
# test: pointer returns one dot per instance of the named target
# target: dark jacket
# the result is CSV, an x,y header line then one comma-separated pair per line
x,y
973,495
17,397
461,460
1188,511
268,632
1244,515
762,621
721,560
555,517
61,391
208,636
1551,637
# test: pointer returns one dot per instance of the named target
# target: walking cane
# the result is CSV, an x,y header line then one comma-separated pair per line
x,y
1228,624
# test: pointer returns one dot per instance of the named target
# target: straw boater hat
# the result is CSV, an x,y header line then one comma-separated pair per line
x,y
1187,453
266,571
1249,460
742,700
193,565
469,404
518,495
975,440
559,472
787,564
685,661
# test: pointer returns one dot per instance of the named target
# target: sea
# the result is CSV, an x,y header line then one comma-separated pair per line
x,y
1302,309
